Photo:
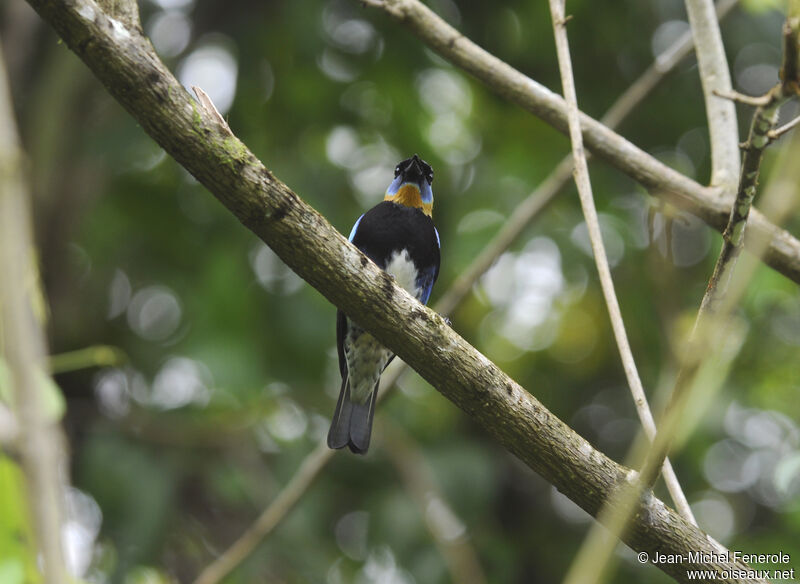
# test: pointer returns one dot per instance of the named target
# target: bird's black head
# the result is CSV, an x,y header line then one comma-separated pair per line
x,y
412,185
414,169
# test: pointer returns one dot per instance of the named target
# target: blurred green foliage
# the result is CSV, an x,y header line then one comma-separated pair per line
x,y
231,373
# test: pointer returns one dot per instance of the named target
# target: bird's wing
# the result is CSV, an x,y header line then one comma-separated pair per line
x,y
355,228
341,331
425,281
341,319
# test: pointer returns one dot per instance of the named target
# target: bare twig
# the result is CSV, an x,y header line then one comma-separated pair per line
x,y
753,100
715,77
208,105
458,554
778,132
94,356
267,521
579,573
601,259
23,348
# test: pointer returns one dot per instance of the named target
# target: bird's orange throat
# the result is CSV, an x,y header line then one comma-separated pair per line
x,y
410,196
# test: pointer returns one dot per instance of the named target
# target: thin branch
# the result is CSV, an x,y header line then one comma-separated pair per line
x,y
586,569
778,132
735,96
210,108
733,236
715,77
601,259
128,67
269,518
23,348
784,250
94,356
459,556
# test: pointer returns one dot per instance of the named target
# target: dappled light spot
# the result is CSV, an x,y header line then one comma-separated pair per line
x,y
170,32
715,513
755,68
452,140
181,381
444,92
666,34
288,421
354,36
272,273
80,530
524,287
726,467
479,220
154,313
119,294
174,4
381,566
341,146
336,67
759,456
448,98
691,241
612,240
787,476
351,534
112,390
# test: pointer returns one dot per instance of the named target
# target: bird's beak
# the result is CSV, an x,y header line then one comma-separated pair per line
x,y
414,173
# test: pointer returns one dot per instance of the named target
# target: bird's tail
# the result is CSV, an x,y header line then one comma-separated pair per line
x,y
352,421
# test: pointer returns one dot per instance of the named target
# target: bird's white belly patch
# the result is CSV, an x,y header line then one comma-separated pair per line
x,y
365,356
402,267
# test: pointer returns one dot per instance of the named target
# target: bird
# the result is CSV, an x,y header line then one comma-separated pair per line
x,y
399,236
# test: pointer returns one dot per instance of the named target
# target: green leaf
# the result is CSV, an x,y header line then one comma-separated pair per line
x,y
17,544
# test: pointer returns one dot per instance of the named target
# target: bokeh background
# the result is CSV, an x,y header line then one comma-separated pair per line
x,y
223,375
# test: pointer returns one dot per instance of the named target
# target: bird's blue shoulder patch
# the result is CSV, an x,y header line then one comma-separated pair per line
x,y
355,228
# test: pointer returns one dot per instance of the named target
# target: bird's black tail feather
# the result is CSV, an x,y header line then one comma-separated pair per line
x,y
352,421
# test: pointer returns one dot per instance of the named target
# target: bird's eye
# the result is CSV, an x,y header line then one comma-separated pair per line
x,y
397,170
429,176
